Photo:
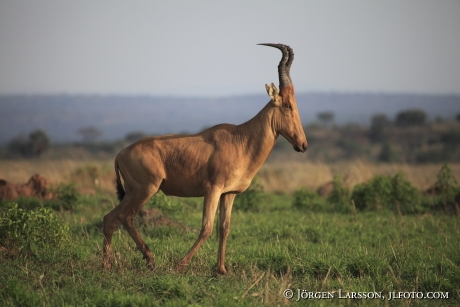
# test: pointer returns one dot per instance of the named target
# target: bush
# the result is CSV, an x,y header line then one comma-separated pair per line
x,y
338,200
446,184
374,195
250,199
164,204
406,197
31,230
65,197
446,189
308,200
384,192
340,195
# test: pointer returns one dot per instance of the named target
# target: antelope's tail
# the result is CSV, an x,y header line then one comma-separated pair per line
x,y
120,190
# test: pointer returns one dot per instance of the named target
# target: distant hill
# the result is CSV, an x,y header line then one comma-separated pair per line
x,y
62,115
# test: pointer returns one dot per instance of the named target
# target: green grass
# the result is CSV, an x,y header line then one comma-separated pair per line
x,y
279,246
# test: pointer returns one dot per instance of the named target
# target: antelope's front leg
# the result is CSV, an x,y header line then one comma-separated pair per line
x,y
225,213
209,211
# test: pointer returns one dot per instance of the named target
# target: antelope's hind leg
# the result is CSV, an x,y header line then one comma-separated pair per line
x,y
110,223
125,213
127,219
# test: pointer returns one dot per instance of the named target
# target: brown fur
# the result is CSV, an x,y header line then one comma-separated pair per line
x,y
217,163
37,186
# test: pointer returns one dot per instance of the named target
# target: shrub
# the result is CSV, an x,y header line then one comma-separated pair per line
x,y
308,200
164,204
446,184
384,192
250,199
31,230
446,189
406,197
374,195
340,195
65,197
361,196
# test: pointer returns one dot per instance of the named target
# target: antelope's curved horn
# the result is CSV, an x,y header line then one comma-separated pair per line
x,y
285,64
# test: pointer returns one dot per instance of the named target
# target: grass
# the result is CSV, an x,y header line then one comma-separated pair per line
x,y
272,249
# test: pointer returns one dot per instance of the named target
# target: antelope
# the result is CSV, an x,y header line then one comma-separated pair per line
x,y
217,164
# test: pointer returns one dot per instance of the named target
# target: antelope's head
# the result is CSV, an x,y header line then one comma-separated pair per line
x,y
286,118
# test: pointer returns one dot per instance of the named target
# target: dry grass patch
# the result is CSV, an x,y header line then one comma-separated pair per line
x,y
275,177
287,177
83,173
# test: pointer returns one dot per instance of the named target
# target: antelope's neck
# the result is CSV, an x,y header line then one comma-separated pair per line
x,y
258,136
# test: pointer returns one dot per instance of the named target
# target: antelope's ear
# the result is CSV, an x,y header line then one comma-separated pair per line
x,y
272,92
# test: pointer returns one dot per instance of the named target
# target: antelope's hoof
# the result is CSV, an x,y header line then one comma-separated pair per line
x,y
220,271
150,263
151,266
106,265
180,267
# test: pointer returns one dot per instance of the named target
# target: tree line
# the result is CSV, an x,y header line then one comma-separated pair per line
x,y
382,131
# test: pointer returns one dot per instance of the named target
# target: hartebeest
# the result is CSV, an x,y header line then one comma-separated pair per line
x,y
217,163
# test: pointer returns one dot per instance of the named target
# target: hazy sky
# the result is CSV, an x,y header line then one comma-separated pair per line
x,y
208,48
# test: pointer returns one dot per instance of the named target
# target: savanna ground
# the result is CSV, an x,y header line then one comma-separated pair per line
x,y
275,246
